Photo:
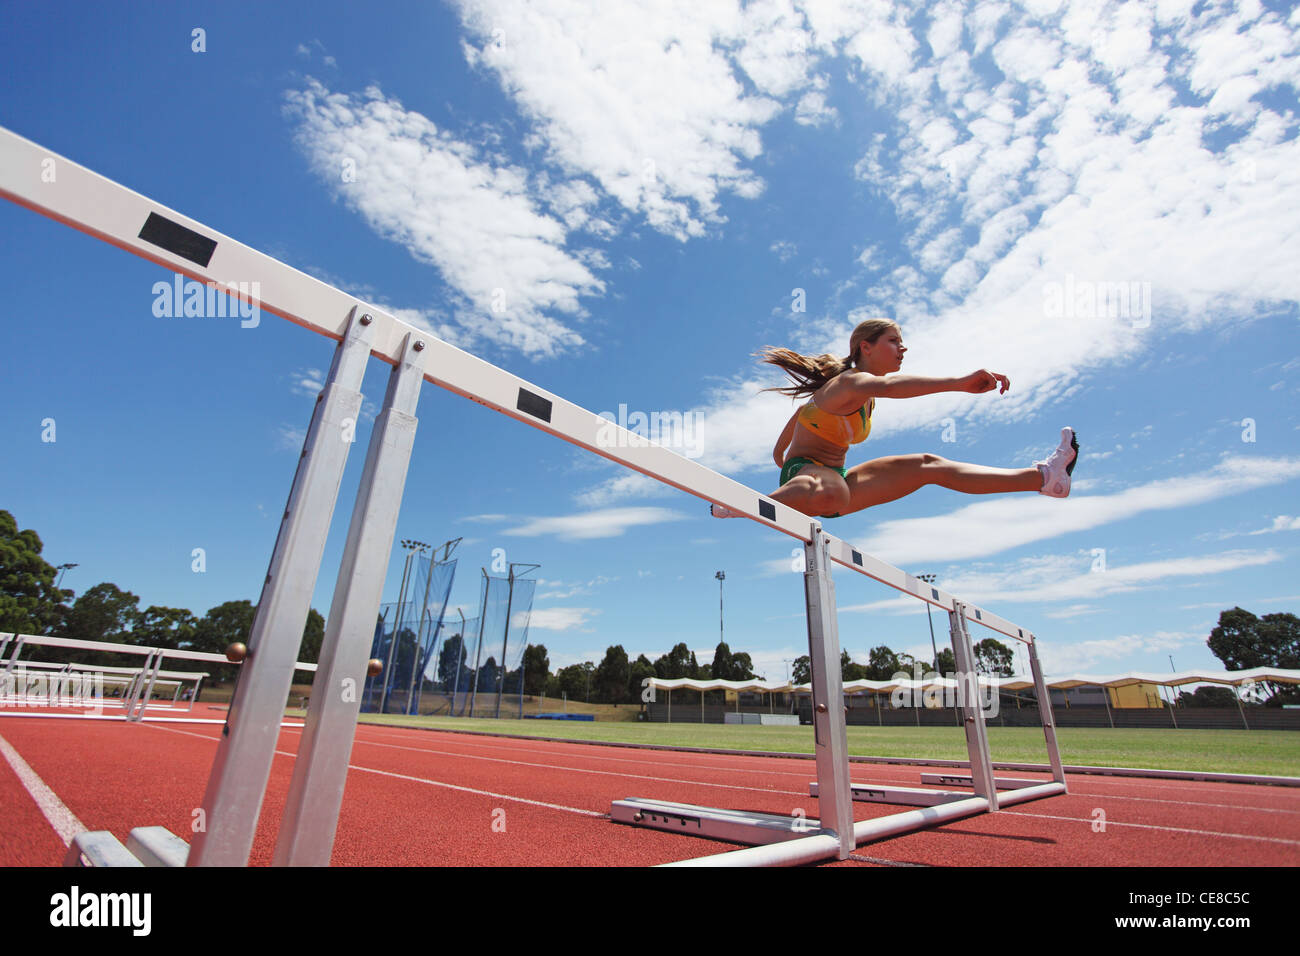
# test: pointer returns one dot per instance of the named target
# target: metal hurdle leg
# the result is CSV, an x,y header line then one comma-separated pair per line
x,y
148,690
13,658
132,693
797,839
1045,712
232,801
316,791
830,736
968,695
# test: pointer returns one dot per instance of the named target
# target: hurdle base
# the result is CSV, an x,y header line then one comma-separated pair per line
x,y
964,780
901,796
146,846
731,826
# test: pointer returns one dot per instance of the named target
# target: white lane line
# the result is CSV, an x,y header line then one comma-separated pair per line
x,y
483,793
424,780
605,773
64,821
1151,826
1181,803
806,773
876,777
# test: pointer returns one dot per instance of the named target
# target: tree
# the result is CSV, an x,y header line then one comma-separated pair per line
x,y
676,664
451,660
802,671
1208,697
994,658
641,670
882,664
313,636
487,676
612,676
537,668
742,667
29,602
170,627
850,670
720,669
947,663
1242,641
698,671
104,613
222,626
573,680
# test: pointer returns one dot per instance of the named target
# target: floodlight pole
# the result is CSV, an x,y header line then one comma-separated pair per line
x,y
721,576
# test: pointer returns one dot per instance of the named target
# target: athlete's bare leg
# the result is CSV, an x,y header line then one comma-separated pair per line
x,y
888,479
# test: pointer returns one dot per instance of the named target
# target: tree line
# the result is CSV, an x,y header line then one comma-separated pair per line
x,y
30,603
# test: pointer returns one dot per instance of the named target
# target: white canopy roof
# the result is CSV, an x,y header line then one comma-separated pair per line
x,y
1235,678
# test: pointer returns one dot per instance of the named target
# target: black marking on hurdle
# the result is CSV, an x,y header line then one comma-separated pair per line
x,y
175,238
857,558
534,405
977,614
934,592
766,509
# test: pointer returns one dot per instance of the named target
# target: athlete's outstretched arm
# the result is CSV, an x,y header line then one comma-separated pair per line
x,y
865,385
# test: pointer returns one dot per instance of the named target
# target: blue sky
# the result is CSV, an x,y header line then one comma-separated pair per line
x,y
622,203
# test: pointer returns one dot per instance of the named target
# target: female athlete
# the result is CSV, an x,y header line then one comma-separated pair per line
x,y
843,393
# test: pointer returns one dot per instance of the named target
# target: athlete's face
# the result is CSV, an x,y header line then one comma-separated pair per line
x,y
884,355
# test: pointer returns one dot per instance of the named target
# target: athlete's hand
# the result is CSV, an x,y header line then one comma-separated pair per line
x,y
985,381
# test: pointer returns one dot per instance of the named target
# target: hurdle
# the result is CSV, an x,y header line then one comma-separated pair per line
x,y
137,682
105,210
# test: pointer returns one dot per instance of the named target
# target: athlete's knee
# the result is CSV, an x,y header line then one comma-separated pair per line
x,y
933,461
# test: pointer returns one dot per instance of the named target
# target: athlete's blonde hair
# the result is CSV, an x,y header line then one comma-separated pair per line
x,y
811,372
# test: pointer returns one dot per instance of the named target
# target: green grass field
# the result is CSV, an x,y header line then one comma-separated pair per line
x,y
1271,752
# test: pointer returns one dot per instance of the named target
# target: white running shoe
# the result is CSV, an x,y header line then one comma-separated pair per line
x,y
1060,466
720,512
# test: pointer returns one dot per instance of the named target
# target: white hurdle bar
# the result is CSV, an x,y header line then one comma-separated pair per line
x,y
56,187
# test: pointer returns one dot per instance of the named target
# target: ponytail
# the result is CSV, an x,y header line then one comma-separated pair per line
x,y
807,372
810,372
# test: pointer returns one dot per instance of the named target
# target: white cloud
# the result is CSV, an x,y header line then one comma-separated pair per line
x,y
1112,653
1082,159
627,484
308,382
991,526
644,98
609,523
471,216
1281,523
785,251
561,618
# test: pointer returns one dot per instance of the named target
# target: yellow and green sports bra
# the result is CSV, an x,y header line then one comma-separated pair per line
x,y
844,430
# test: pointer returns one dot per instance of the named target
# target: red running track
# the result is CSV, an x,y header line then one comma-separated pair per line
x,y
423,798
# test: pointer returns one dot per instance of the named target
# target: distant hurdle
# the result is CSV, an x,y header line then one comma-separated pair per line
x,y
232,802
136,683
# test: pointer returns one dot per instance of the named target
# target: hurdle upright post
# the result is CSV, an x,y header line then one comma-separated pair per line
x,y
968,695
1045,712
830,736
311,811
232,801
